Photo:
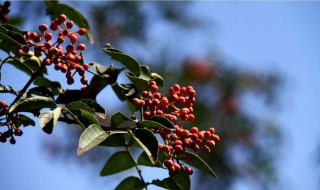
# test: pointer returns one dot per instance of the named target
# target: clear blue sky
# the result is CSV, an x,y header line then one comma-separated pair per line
x,y
281,36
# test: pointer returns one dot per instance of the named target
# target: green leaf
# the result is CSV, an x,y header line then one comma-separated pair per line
x,y
151,124
85,117
74,117
123,58
54,86
182,179
14,29
10,40
69,96
24,120
158,79
27,63
140,84
115,139
118,162
41,91
163,121
48,119
118,120
167,183
79,105
31,104
132,183
98,109
148,142
54,9
197,162
145,161
90,138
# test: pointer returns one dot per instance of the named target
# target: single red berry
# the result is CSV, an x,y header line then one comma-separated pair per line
x,y
190,117
84,80
206,149
19,52
33,35
69,24
25,49
47,45
60,39
48,36
53,26
168,163
189,171
64,68
145,94
82,31
194,130
81,47
43,27
18,132
38,53
211,143
73,38
65,33
136,102
154,88
176,87
212,130
47,61
85,66
70,48
2,104
70,81
84,88
152,83
62,18
27,35
12,140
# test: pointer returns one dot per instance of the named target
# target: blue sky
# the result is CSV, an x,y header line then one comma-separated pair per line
x,y
259,36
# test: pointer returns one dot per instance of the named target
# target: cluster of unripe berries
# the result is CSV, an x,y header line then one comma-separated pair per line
x,y
12,129
4,10
65,58
178,109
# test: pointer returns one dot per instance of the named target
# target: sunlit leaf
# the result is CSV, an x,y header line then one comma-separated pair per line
x,y
48,119
91,137
31,104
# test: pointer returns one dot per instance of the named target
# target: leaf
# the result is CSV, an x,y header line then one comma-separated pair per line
x,y
90,138
151,124
27,63
148,142
79,105
69,96
145,161
197,162
182,179
115,139
10,40
6,89
74,117
163,121
14,29
167,183
129,62
41,91
24,120
54,9
118,120
140,84
48,119
84,117
132,183
98,109
158,79
54,86
118,162
31,104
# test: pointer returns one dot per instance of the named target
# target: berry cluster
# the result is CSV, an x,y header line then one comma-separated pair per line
x,y
12,129
178,109
63,60
4,10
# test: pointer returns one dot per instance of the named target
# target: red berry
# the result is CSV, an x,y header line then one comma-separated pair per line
x,y
60,39
70,48
194,130
81,47
25,49
62,18
70,81
84,80
168,163
47,36
82,31
43,27
85,66
19,52
2,104
211,143
153,88
33,35
136,102
47,45
73,38
69,24
152,83
53,26
18,132
12,140
65,33
47,61
212,130
189,171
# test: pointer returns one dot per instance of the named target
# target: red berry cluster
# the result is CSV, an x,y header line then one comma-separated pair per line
x,y
4,10
178,109
64,60
12,129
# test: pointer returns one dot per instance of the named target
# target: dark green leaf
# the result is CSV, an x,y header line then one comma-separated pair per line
x,y
75,118
182,179
90,138
79,105
69,96
167,183
158,79
118,162
197,162
10,40
54,86
27,63
132,183
151,124
148,142
123,58
163,121
24,120
115,139
41,91
31,104
145,161
118,120
48,119
85,117
140,84
54,9
14,29
99,110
